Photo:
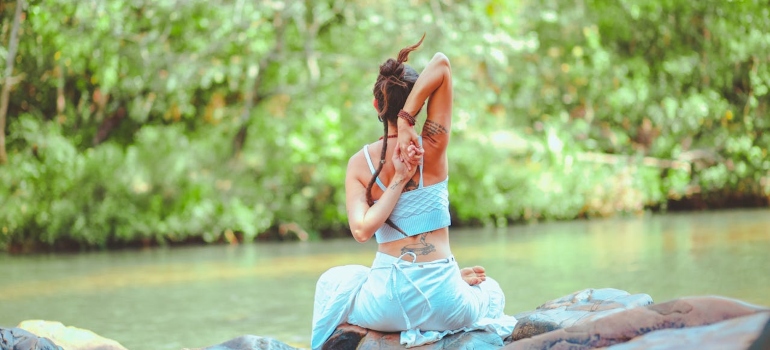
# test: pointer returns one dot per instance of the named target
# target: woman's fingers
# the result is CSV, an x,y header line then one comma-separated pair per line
x,y
409,153
415,154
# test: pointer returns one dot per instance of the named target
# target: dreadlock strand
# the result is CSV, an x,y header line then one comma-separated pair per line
x,y
369,199
403,55
384,107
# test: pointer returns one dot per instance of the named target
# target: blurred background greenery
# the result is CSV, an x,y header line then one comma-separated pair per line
x,y
169,121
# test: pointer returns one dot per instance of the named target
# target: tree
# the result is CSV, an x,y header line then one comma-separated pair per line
x,y
9,79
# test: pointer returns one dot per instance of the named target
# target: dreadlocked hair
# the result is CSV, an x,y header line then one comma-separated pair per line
x,y
393,85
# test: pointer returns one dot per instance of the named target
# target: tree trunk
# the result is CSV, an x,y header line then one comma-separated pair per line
x,y
252,96
13,44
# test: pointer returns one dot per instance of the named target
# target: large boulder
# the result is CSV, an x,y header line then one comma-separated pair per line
x,y
686,315
352,337
69,338
736,333
580,307
594,318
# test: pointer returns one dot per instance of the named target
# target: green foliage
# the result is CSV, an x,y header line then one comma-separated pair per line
x,y
168,121
167,186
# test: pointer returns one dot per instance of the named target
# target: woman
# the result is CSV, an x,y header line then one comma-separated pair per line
x,y
414,285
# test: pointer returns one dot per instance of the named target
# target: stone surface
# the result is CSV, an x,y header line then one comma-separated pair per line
x,y
736,333
353,337
580,307
19,339
346,336
250,342
628,324
69,338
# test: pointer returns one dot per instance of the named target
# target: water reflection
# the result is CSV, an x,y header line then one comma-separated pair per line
x,y
194,297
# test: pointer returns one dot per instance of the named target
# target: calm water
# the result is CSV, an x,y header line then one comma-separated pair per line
x,y
195,297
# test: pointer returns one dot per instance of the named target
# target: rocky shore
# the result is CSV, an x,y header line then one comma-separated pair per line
x,y
588,319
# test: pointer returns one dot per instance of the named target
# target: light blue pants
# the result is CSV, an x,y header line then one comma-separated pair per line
x,y
429,296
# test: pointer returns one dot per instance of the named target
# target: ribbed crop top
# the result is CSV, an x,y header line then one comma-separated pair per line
x,y
423,209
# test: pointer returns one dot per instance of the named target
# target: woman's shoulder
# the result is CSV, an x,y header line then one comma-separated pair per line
x,y
358,159
359,167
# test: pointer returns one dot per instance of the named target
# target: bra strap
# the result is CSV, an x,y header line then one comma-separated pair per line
x,y
423,161
371,167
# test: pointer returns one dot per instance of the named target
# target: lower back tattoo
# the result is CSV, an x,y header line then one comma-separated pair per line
x,y
422,248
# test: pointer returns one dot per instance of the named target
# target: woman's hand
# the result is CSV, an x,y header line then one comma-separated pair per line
x,y
410,152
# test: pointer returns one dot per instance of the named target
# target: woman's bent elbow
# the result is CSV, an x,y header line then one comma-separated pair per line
x,y
441,58
361,236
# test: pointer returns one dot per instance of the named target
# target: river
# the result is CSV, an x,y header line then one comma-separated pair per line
x,y
200,296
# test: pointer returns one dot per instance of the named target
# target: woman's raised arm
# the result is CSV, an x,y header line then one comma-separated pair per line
x,y
434,85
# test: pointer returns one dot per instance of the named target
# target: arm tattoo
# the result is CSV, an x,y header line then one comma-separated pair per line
x,y
432,128
394,186
421,248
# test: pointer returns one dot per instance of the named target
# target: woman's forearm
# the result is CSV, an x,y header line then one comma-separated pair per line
x,y
434,74
376,215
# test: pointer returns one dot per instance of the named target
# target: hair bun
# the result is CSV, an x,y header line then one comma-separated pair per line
x,y
392,68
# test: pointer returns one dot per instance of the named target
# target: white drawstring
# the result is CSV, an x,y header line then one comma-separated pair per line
x,y
396,267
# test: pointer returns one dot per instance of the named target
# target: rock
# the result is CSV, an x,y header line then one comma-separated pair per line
x,y
346,336
763,341
250,342
352,337
580,307
736,333
477,340
623,326
19,339
587,319
69,338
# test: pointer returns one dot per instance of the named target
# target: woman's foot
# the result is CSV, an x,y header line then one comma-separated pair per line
x,y
473,275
